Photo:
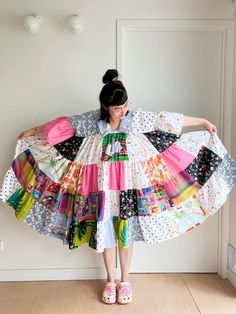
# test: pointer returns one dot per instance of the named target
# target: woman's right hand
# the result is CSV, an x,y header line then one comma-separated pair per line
x,y
31,132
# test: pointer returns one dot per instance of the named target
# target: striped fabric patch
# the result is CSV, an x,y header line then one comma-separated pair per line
x,y
34,181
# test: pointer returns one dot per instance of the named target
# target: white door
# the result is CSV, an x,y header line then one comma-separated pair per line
x,y
176,66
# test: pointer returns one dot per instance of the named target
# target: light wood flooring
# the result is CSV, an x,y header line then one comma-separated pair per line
x,y
152,293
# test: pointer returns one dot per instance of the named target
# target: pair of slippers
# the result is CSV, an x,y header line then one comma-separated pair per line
x,y
123,295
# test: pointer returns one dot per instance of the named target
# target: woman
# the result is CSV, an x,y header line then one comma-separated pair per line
x,y
114,174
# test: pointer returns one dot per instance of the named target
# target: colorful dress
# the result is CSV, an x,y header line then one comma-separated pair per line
x,y
83,182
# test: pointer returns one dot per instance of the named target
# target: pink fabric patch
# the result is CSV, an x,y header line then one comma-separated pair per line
x,y
90,179
176,159
58,130
116,178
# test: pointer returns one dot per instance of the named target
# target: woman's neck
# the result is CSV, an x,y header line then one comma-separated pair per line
x,y
114,123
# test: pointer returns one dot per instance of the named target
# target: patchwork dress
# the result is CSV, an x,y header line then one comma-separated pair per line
x,y
82,182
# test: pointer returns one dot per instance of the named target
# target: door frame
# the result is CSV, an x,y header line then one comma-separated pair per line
x,y
225,27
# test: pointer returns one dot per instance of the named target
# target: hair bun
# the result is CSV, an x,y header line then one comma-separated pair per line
x,y
110,75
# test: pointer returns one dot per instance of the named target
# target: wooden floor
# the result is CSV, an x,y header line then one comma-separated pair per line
x,y
152,293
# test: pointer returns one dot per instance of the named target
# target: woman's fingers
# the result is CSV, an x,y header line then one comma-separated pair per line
x,y
210,127
24,134
214,129
20,136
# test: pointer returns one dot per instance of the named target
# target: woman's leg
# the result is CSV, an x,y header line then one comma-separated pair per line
x,y
109,256
125,261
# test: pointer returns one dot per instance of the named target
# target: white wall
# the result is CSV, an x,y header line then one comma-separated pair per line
x,y
54,73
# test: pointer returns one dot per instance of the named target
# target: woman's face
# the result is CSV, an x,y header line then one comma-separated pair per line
x,y
118,112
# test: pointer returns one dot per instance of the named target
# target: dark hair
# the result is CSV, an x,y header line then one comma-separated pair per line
x,y
113,93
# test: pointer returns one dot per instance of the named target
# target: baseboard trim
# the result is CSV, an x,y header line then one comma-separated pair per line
x,y
53,274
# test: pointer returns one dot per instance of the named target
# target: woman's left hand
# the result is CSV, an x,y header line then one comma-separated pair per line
x,y
209,126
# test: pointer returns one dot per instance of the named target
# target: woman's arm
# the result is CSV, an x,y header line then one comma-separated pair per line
x,y
31,132
191,121
54,131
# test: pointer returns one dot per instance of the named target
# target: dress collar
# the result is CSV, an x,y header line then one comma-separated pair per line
x,y
125,124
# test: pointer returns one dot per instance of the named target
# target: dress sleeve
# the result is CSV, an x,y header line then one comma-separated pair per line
x,y
58,130
171,122
146,121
